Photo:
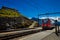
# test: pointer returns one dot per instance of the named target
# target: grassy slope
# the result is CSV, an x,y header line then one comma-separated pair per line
x,y
8,13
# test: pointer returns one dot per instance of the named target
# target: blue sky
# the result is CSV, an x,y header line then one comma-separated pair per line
x,y
31,8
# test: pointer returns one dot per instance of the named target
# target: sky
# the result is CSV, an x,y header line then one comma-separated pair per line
x,y
31,8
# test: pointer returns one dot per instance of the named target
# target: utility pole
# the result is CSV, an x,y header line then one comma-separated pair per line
x,y
38,20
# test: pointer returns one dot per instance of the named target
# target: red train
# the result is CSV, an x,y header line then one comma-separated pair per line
x,y
46,24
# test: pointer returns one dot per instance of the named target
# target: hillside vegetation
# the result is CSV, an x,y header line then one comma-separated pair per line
x,y
11,18
8,12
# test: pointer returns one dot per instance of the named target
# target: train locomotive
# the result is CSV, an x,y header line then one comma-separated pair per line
x,y
46,24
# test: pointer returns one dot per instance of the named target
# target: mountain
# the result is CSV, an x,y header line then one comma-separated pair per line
x,y
37,20
11,18
34,19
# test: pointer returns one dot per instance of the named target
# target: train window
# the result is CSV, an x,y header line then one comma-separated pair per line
x,y
45,21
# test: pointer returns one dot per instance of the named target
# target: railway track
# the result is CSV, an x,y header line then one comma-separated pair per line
x,y
15,34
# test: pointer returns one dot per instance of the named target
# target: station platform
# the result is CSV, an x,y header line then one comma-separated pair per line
x,y
44,35
37,36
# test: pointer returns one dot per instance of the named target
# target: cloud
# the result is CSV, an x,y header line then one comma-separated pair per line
x,y
55,18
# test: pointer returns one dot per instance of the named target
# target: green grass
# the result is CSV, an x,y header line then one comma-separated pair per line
x,y
9,13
